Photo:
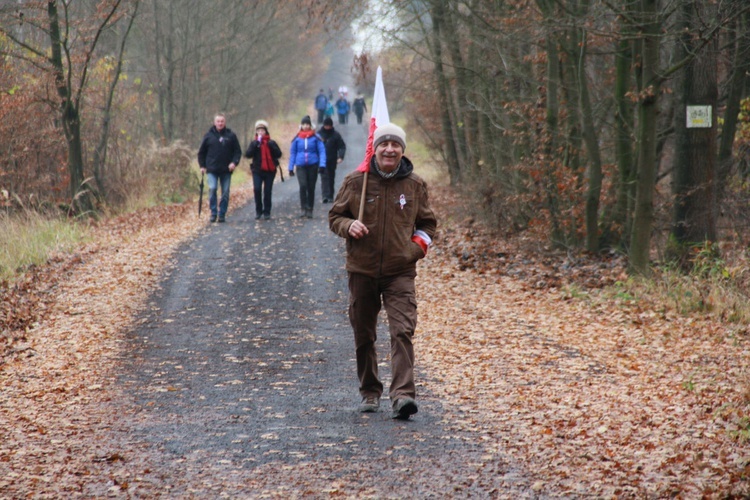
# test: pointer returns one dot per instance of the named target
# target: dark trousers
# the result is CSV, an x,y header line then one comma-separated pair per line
x,y
327,179
342,119
262,189
307,176
399,298
359,118
321,115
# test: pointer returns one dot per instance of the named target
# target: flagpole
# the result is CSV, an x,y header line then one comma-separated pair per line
x,y
364,193
379,117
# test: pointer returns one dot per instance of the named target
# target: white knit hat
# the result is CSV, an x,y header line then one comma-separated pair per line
x,y
261,124
389,132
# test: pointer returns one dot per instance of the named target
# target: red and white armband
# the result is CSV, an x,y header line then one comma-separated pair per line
x,y
422,239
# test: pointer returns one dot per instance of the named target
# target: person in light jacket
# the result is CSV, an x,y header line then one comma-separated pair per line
x,y
307,158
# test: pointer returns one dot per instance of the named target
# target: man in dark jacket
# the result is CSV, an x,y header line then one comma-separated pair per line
x,y
383,246
360,106
218,156
335,151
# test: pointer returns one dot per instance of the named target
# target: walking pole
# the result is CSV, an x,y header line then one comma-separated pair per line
x,y
200,197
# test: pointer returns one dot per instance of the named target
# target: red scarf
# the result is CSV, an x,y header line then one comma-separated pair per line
x,y
266,162
305,134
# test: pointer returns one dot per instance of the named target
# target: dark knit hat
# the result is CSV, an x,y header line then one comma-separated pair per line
x,y
306,119
389,132
328,121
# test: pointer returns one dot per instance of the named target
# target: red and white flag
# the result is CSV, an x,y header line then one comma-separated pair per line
x,y
379,117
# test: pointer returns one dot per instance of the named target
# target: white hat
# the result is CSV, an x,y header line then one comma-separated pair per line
x,y
389,132
261,124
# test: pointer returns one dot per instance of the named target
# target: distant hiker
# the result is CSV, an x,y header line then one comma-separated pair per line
x,y
321,103
360,106
307,157
382,250
342,108
218,155
264,156
335,151
330,94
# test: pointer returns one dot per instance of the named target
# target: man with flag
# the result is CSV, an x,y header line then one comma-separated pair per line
x,y
382,210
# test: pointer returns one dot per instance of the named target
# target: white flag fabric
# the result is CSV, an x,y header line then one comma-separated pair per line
x,y
379,117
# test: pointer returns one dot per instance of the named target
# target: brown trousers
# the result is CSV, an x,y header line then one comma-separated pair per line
x,y
399,298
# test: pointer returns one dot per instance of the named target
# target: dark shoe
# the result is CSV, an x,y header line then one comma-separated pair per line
x,y
403,408
267,216
369,404
212,219
258,216
303,214
326,200
308,214
222,219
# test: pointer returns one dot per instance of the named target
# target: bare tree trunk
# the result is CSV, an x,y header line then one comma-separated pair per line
x,y
738,80
71,119
449,31
624,134
643,219
100,152
694,183
591,139
454,169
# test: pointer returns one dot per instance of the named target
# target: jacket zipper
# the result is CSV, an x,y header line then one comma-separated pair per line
x,y
384,211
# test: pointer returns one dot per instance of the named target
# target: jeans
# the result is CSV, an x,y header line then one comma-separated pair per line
x,y
307,176
225,180
262,187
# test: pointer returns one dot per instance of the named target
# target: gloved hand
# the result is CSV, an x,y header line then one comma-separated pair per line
x,y
291,173
321,170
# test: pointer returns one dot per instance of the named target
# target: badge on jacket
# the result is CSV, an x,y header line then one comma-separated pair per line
x,y
402,201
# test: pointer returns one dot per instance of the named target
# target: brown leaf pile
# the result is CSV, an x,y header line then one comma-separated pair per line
x,y
589,396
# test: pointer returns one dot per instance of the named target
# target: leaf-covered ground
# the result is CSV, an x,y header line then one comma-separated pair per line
x,y
595,394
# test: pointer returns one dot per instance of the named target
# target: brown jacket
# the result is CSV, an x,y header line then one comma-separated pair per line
x,y
387,250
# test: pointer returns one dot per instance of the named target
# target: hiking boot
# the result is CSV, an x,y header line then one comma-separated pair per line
x,y
222,219
212,219
403,408
369,404
308,214
267,217
258,216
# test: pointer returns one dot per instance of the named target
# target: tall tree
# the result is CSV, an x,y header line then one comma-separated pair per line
x,y
648,20
694,183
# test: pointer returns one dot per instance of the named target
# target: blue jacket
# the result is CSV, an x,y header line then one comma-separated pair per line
x,y
321,102
342,106
307,152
